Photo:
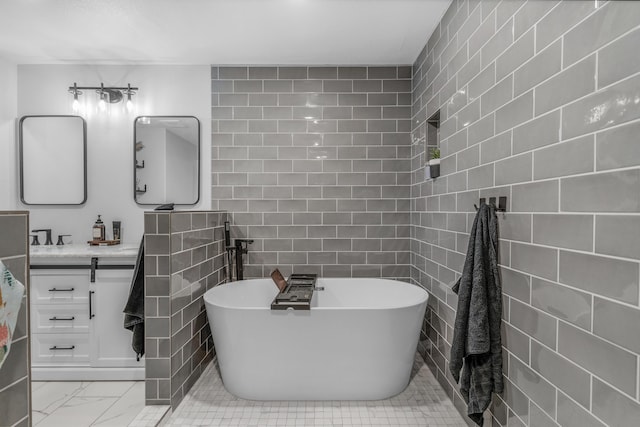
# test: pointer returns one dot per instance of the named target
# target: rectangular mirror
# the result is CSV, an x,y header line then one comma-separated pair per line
x,y
53,160
166,160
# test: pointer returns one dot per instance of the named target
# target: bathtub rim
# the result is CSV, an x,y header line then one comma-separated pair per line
x,y
425,299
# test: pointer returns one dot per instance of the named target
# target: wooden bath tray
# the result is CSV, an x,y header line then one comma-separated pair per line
x,y
103,242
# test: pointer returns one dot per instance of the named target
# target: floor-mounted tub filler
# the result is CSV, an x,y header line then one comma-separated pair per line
x,y
357,342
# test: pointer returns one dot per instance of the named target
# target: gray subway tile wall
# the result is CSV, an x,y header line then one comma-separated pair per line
x,y
568,377
157,272
313,163
607,361
15,378
178,337
572,414
538,102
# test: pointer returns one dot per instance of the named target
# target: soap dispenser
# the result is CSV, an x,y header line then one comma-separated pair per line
x,y
99,230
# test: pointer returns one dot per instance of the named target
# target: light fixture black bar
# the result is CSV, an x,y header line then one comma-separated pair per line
x,y
71,88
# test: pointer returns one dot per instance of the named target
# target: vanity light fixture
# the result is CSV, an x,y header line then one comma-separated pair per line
x,y
107,95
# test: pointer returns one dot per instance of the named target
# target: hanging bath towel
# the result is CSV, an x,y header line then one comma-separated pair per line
x,y
476,350
11,293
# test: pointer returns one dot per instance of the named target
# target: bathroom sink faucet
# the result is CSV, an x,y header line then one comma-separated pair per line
x,y
48,231
242,247
60,239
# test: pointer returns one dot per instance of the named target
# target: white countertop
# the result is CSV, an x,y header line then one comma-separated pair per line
x,y
83,250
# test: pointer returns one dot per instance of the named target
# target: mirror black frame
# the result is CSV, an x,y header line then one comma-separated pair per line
x,y
135,138
21,151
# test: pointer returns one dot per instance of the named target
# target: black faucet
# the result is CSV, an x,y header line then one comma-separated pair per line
x,y
240,249
60,240
229,249
48,231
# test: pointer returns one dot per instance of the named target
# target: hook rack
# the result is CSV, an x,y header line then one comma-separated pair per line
x,y
502,203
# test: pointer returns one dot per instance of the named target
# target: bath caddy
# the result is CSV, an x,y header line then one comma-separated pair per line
x,y
298,293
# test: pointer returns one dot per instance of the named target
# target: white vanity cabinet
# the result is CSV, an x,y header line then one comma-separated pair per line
x,y
77,328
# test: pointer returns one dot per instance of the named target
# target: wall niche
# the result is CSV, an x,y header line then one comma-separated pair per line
x,y
432,147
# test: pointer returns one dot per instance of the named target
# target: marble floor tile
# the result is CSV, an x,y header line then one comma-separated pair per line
x,y
51,395
36,385
78,411
85,404
106,389
36,417
152,416
125,409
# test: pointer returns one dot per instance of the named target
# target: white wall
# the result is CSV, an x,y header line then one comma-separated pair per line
x,y
164,90
8,106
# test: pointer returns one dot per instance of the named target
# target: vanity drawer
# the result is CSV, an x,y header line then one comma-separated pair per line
x,y
60,286
60,318
52,349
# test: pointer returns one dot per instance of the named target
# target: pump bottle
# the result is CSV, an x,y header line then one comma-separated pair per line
x,y
99,230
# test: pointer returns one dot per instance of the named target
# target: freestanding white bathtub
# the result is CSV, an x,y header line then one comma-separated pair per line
x,y
357,342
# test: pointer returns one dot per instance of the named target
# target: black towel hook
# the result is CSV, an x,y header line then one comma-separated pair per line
x,y
502,203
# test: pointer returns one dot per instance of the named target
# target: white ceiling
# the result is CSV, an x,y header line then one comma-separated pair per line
x,y
311,32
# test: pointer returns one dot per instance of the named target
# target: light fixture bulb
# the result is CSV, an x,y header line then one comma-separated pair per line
x,y
102,104
129,104
75,105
